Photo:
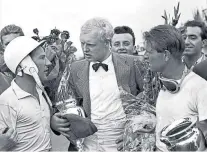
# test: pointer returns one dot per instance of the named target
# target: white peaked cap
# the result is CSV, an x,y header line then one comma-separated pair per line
x,y
17,50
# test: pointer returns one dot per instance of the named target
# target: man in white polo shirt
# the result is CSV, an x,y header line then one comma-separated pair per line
x,y
24,106
183,93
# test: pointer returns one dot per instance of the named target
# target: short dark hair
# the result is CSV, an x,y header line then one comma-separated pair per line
x,y
124,29
200,24
182,29
166,37
11,29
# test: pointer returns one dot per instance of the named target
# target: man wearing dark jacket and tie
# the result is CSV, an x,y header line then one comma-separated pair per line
x,y
96,80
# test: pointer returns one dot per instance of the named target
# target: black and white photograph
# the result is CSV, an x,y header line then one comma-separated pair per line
x,y
103,75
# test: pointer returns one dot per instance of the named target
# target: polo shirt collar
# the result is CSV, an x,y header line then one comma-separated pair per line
x,y
18,91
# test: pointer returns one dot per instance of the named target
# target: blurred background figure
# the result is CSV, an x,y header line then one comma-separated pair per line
x,y
140,49
10,32
123,41
7,34
195,36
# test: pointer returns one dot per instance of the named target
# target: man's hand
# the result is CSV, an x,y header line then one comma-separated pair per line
x,y
60,124
8,139
120,140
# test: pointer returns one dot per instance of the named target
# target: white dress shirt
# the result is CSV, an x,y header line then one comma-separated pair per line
x,y
104,93
106,109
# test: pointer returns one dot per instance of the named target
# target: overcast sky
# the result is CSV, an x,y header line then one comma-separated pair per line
x,y
69,15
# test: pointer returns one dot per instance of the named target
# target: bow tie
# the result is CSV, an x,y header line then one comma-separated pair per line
x,y
95,66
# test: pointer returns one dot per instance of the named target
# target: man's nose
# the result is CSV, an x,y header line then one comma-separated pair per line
x,y
187,41
85,48
47,62
121,46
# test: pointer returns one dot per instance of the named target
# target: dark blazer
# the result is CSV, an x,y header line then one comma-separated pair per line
x,y
201,69
129,77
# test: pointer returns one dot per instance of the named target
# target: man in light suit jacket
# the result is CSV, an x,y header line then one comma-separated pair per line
x,y
96,81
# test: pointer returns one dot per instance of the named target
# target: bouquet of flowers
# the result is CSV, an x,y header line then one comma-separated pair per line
x,y
60,52
141,121
81,127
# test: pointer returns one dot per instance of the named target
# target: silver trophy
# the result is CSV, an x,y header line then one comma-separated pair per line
x,y
67,104
69,107
182,135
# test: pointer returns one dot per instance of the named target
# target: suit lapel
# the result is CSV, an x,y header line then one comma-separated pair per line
x,y
83,85
122,71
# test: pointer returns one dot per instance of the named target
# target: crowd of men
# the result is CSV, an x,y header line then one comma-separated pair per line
x,y
31,71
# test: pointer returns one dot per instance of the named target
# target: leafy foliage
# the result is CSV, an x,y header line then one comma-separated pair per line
x,y
197,16
60,52
176,17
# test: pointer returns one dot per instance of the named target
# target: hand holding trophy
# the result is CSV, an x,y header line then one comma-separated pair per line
x,y
80,126
69,109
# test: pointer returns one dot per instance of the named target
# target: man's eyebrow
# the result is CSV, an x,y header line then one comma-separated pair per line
x,y
42,55
190,35
90,42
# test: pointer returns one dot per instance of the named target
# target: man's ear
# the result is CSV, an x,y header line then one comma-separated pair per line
x,y
107,44
167,55
134,51
204,43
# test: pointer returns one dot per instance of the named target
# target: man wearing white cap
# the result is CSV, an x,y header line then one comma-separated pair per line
x,y
24,106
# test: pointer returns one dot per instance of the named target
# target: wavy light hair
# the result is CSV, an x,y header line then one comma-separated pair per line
x,y
105,28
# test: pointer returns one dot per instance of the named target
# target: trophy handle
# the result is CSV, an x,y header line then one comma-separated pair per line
x,y
165,141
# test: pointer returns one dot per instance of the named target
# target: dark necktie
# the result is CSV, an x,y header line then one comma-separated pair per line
x,y
95,66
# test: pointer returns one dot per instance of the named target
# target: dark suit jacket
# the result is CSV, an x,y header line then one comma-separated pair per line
x,y
129,77
201,69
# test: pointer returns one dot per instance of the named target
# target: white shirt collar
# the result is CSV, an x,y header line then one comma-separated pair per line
x,y
201,58
108,60
21,93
